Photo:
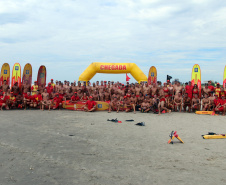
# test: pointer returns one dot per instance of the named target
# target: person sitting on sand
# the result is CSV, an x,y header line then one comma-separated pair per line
x,y
162,106
196,103
74,98
129,106
178,102
90,105
11,101
37,99
45,100
205,102
145,106
58,101
114,105
3,100
28,100
186,102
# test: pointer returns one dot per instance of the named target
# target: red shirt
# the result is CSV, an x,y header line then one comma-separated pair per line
x,y
90,104
211,88
223,102
28,97
37,97
49,89
4,100
58,99
75,98
217,102
188,89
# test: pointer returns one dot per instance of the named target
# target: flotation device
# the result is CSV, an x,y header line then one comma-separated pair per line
x,y
212,135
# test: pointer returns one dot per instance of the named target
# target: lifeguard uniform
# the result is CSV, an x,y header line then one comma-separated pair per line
x,y
53,85
188,89
218,91
75,98
90,104
34,89
57,100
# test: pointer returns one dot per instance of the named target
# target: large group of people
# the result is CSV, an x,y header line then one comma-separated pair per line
x,y
156,98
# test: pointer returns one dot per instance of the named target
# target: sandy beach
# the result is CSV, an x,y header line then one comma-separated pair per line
x,y
71,147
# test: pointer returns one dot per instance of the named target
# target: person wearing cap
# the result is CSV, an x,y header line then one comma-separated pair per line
x,y
57,101
26,87
15,89
49,89
218,90
46,99
34,88
52,83
74,98
5,86
114,105
90,105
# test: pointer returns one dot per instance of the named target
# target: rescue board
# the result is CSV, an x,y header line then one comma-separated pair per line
x,y
27,74
41,79
16,75
212,135
152,75
5,74
196,77
101,105
224,78
204,112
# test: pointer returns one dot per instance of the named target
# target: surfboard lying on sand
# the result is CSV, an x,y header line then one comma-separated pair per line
x,y
101,105
16,75
212,135
196,77
204,112
5,74
27,74
41,79
152,75
224,78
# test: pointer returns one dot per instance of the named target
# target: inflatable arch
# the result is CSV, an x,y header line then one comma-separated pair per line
x,y
113,68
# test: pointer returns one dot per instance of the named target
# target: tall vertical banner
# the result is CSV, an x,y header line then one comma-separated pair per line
x,y
16,75
41,79
152,75
27,74
224,78
5,74
196,77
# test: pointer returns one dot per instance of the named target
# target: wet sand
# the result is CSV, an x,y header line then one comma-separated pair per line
x,y
68,147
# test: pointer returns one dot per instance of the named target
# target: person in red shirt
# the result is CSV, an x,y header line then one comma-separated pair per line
x,y
211,87
90,105
74,98
28,100
11,101
188,90
220,105
3,99
223,103
37,99
49,89
58,101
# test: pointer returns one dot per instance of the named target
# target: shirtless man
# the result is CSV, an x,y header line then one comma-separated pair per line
x,y
206,90
57,87
45,100
211,102
146,89
129,105
79,93
154,90
5,86
206,101
137,90
178,102
140,100
114,105
106,95
41,88
101,93
178,88
145,106
186,102
26,87
196,103
15,89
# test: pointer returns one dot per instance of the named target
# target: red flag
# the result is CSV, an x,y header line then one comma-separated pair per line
x,y
127,77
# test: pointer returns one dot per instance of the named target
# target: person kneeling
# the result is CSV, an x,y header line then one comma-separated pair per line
x,y
90,105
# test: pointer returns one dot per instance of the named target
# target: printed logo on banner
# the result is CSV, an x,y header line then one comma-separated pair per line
x,y
42,75
196,70
27,72
16,68
152,74
5,71
99,105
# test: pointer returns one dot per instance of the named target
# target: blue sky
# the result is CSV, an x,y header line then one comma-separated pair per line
x,y
67,35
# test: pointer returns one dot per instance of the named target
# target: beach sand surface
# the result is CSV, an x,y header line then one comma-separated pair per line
x,y
71,147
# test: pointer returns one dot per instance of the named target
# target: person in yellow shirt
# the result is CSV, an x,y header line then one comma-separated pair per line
x,y
34,88
52,83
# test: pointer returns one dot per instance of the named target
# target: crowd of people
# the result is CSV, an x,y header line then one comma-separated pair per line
x,y
156,98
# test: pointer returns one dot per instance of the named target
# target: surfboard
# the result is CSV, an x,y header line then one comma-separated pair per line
x,y
152,75
196,77
204,112
41,79
101,105
16,75
5,74
224,78
27,74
